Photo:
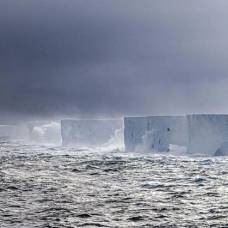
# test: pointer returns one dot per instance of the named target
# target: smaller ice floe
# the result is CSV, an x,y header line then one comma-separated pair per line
x,y
152,184
199,179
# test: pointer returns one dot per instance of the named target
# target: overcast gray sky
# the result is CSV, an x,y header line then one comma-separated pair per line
x,y
113,57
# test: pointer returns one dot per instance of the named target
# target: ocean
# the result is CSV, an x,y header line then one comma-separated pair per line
x,y
47,186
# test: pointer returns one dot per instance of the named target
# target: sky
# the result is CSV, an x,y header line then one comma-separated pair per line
x,y
110,58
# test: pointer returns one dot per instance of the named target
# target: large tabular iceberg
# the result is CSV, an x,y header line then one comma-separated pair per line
x,y
88,132
154,133
17,132
7,132
208,134
45,133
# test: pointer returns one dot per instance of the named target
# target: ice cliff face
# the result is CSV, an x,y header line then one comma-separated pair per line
x,y
154,133
88,132
208,134
45,133
222,150
199,134
7,132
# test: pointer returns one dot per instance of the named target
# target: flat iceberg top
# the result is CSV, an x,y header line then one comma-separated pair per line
x,y
91,120
208,115
154,117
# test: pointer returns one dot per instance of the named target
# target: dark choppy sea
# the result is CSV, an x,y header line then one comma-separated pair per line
x,y
66,187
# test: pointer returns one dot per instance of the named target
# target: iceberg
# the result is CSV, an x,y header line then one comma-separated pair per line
x,y
89,132
208,134
223,150
45,133
155,133
7,132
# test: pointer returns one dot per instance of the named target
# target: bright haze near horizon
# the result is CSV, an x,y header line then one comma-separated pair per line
x,y
99,58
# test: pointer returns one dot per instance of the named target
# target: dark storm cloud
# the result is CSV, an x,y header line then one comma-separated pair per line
x,y
99,57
